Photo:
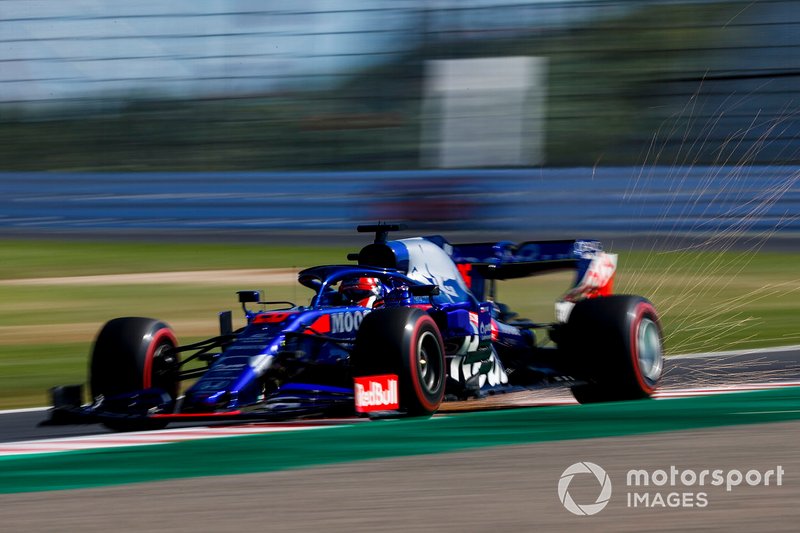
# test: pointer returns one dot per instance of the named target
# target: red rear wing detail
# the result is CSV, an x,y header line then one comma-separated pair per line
x,y
598,279
465,269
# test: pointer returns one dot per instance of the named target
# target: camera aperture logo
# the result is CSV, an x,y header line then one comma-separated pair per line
x,y
663,488
590,508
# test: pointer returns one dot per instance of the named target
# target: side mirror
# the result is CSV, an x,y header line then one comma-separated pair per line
x,y
249,296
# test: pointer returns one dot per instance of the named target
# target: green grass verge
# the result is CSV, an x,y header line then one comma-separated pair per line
x,y
27,371
605,94
708,301
30,259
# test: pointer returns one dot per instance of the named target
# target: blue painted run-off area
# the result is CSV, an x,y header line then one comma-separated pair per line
x,y
553,201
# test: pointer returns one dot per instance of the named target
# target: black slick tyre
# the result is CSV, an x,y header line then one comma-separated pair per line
x,y
132,354
616,344
406,342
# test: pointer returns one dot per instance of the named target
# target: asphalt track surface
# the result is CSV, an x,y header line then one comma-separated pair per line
x,y
509,487
696,371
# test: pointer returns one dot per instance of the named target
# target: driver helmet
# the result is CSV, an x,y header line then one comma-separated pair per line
x,y
361,291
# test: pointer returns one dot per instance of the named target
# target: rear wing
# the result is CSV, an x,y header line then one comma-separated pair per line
x,y
482,262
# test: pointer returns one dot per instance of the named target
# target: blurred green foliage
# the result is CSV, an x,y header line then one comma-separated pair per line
x,y
603,96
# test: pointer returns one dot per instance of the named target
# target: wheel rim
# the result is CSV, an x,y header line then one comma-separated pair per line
x,y
164,365
651,357
429,361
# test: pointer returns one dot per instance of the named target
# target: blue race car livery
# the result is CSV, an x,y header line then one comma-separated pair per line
x,y
411,323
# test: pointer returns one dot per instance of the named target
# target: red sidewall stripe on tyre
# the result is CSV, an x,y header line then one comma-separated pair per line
x,y
642,308
147,374
421,395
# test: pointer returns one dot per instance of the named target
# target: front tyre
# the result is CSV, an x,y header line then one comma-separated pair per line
x,y
406,342
132,354
617,344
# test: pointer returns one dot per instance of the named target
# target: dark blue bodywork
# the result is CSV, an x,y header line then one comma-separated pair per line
x,y
294,360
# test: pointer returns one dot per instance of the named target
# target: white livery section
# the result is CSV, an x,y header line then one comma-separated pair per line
x,y
429,264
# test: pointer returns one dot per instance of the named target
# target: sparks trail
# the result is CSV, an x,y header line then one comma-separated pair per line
x,y
710,325
726,212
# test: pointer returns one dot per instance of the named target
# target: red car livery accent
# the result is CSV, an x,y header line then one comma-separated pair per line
x,y
272,318
376,393
320,325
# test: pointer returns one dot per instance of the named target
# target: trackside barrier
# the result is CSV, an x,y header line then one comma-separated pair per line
x,y
601,200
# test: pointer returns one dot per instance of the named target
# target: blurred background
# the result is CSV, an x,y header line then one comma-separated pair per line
x,y
365,84
441,113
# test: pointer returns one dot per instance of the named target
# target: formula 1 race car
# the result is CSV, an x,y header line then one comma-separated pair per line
x,y
412,323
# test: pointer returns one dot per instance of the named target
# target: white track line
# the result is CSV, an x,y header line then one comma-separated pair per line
x,y
25,410
144,438
710,355
723,389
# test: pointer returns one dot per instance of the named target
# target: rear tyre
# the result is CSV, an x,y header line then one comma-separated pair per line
x,y
132,354
406,342
617,345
